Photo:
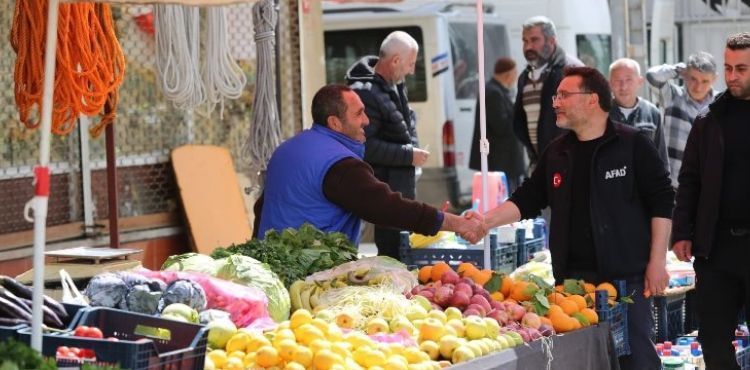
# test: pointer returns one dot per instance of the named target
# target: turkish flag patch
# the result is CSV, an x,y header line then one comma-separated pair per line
x,y
556,180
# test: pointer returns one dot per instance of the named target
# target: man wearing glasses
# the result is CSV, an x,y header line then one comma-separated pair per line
x,y
611,202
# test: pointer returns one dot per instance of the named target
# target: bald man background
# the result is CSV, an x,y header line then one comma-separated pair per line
x,y
391,148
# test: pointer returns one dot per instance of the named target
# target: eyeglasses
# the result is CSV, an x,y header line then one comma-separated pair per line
x,y
562,95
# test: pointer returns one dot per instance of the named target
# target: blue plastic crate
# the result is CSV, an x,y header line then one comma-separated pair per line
x,y
616,317
502,256
144,342
669,317
527,247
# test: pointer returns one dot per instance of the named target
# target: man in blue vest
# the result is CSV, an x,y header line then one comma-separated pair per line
x,y
319,177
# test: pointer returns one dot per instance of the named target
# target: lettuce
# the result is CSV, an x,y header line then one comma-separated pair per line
x,y
249,271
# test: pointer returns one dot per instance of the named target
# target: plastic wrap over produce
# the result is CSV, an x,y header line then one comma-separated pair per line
x,y
245,304
378,270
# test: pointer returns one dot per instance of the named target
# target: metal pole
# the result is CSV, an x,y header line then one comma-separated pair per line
x,y
484,144
42,178
114,228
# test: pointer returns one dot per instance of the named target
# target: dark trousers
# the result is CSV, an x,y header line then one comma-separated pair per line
x,y
722,287
640,324
387,240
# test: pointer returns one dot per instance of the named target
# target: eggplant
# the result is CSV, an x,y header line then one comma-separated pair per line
x,y
12,311
20,302
49,316
20,290
6,321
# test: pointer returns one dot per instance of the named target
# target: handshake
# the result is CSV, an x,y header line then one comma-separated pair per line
x,y
470,226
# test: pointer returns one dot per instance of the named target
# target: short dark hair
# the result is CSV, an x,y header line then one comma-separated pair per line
x,y
329,101
739,41
593,81
504,64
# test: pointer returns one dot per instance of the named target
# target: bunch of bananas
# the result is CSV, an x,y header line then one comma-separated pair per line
x,y
419,241
305,293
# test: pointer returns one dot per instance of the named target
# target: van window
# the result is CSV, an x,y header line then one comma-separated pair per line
x,y
595,50
345,47
463,38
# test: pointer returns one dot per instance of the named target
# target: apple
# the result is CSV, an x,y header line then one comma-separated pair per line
x,y
401,323
534,334
447,345
475,327
439,315
480,300
517,338
377,325
462,354
524,334
471,312
476,348
516,311
426,294
464,287
531,320
546,330
453,312
500,316
423,302
477,307
503,341
450,277
431,348
416,289
458,327
493,328
460,300
443,296
345,320
417,312
431,329
497,305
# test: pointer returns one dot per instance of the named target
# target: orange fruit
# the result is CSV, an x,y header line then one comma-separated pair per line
x,y
482,277
568,306
589,288
425,274
545,320
438,270
579,300
507,285
523,291
555,297
465,267
554,309
611,291
576,324
497,296
561,322
590,315
559,288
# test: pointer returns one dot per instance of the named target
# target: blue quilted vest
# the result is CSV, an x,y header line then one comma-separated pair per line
x,y
294,186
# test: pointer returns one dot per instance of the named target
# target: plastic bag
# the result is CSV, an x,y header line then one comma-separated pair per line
x,y
245,304
71,294
378,270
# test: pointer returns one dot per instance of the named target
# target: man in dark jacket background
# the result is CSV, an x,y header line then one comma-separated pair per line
x,y
391,148
506,152
711,218
534,117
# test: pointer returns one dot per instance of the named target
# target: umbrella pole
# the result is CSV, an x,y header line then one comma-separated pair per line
x,y
483,143
42,178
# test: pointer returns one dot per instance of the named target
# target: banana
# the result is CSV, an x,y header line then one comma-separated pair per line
x,y
295,291
305,297
314,296
338,284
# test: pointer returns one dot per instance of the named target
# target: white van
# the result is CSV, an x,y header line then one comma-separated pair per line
x,y
444,89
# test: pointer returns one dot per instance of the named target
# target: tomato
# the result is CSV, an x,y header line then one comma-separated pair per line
x,y
64,352
88,332
95,332
87,353
75,351
81,331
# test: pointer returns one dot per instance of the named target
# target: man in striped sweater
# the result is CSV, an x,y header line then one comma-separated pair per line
x,y
682,104
534,117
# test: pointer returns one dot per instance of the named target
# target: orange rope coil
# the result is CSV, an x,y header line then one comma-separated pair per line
x,y
90,64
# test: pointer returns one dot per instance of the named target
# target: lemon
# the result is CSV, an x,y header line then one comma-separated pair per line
x,y
218,357
325,359
374,358
334,333
308,333
256,342
283,334
286,348
208,364
299,318
267,356
234,363
415,356
238,342
303,356
249,359
395,364
358,339
320,324
343,349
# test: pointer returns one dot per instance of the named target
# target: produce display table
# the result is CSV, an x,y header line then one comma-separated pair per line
x,y
588,348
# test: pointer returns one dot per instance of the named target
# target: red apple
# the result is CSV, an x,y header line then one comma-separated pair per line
x,y
480,300
471,312
531,320
500,316
450,277
478,308
459,300
443,296
516,311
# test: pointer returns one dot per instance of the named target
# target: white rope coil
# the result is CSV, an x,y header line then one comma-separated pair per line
x,y
177,30
265,132
223,77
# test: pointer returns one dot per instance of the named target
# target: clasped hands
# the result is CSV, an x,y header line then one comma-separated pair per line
x,y
472,227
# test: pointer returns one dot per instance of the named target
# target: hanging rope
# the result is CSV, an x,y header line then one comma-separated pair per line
x,y
177,56
265,133
223,78
90,64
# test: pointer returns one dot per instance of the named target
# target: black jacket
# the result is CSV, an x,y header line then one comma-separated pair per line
x,y
699,192
547,129
391,134
629,186
506,152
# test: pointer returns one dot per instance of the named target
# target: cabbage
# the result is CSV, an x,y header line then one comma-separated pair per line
x,y
193,262
251,272
106,290
186,292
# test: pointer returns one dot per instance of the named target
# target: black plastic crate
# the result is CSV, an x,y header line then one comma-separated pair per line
x,y
743,357
527,247
669,317
616,317
502,256
144,342
74,312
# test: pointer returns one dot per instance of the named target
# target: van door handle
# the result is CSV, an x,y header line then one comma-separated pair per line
x,y
465,109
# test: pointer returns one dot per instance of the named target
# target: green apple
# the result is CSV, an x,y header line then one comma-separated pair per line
x,y
458,326
503,342
447,344
377,325
423,302
431,348
493,328
475,327
437,314
401,323
453,313
416,312
431,329
462,354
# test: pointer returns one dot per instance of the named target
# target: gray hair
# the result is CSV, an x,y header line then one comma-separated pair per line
x,y
398,42
548,28
703,62
625,63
